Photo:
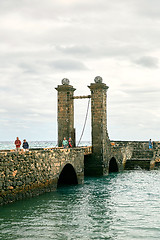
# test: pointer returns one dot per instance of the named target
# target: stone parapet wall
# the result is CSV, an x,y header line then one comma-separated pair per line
x,y
137,153
26,174
140,145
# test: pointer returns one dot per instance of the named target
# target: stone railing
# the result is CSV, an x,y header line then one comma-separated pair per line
x,y
137,145
87,150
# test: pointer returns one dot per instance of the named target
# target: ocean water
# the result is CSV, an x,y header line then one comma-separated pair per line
x,y
122,206
8,145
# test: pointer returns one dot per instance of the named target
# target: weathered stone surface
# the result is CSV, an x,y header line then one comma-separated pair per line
x,y
65,113
36,172
136,154
98,163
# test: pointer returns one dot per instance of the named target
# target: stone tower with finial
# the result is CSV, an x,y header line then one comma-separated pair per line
x,y
100,139
65,111
97,164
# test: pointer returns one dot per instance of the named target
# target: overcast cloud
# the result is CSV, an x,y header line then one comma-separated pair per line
x,y
42,42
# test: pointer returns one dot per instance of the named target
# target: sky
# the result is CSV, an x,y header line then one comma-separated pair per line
x,y
42,42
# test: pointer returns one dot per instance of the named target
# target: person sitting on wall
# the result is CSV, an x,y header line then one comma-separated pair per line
x,y
17,143
70,142
150,144
25,145
65,143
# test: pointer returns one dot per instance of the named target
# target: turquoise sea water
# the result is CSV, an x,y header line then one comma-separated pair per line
x,y
122,206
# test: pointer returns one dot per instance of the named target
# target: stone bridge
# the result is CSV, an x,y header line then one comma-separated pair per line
x,y
136,154
107,156
27,174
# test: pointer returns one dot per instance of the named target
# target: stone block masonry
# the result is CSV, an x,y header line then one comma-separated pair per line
x,y
100,139
32,173
136,154
65,112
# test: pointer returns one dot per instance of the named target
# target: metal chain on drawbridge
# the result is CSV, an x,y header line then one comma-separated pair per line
x,y
84,122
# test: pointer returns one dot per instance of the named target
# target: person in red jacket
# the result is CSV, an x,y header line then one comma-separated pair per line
x,y
70,142
18,144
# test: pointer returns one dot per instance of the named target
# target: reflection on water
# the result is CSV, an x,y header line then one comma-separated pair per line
x,y
119,206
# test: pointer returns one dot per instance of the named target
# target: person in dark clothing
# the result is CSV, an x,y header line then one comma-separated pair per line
x,y
25,145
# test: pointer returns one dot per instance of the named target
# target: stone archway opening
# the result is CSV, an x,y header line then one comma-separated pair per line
x,y
67,176
113,166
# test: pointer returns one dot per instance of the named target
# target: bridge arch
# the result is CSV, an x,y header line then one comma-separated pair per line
x,y
113,166
67,176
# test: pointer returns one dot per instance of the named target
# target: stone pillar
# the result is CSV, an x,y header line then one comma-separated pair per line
x,y
100,139
65,112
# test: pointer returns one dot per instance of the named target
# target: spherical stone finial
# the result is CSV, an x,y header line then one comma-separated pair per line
x,y
65,81
98,79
